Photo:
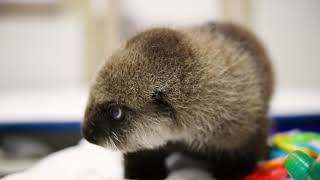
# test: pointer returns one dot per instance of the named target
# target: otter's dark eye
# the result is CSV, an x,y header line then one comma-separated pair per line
x,y
116,112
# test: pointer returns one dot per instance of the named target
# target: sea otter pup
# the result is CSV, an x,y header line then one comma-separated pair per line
x,y
202,91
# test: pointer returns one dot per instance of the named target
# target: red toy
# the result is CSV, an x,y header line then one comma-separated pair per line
x,y
278,173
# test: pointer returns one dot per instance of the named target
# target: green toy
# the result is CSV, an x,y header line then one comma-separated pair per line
x,y
300,166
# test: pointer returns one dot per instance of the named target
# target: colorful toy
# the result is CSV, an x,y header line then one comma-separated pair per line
x,y
302,167
287,143
278,173
277,153
284,143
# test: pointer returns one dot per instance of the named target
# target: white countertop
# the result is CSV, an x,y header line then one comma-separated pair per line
x,y
30,105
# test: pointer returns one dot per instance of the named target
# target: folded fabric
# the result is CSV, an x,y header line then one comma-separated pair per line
x,y
90,162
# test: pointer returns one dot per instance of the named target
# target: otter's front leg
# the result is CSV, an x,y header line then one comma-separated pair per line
x,y
226,165
146,164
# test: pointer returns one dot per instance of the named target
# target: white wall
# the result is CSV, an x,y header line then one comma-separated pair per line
x,y
291,31
146,13
49,50
41,51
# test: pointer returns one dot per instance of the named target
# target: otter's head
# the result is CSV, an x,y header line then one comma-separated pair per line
x,y
140,93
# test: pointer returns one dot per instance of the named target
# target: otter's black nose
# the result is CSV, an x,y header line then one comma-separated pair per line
x,y
88,133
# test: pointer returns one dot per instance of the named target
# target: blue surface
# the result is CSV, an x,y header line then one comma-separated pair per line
x,y
310,122
41,127
297,120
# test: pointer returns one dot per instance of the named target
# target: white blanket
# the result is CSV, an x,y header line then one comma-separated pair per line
x,y
87,161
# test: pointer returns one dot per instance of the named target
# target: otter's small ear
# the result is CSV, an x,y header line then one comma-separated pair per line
x,y
160,101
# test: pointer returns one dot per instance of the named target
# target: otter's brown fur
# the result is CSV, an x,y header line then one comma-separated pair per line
x,y
203,91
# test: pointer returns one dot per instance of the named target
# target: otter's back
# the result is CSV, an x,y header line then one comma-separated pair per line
x,y
239,36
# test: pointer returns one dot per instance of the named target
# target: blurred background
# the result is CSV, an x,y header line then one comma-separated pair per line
x,y
49,50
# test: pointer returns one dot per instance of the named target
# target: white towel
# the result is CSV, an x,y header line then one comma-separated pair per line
x,y
90,162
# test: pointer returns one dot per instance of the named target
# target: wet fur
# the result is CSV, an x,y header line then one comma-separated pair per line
x,y
203,91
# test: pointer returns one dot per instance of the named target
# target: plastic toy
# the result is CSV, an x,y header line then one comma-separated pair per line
x,y
273,163
284,143
300,166
279,173
277,153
